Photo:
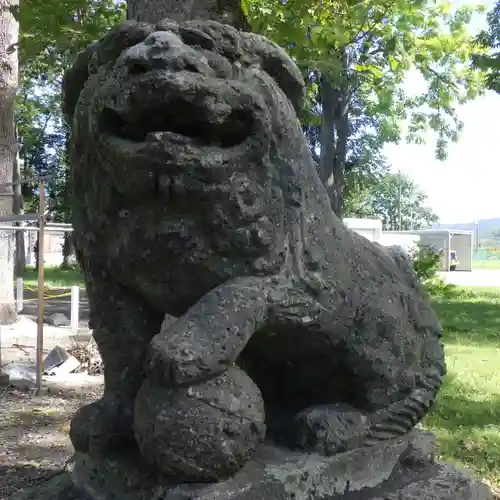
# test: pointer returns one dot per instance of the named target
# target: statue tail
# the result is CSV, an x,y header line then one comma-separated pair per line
x,y
401,417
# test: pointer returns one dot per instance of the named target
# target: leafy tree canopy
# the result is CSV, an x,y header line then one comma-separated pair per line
x,y
367,48
399,203
52,29
487,56
52,32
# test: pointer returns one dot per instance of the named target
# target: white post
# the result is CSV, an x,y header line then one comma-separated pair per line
x,y
19,294
75,301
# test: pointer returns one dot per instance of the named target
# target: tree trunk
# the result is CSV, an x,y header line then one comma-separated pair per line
x,y
334,136
67,250
339,162
9,34
152,11
20,262
327,141
35,249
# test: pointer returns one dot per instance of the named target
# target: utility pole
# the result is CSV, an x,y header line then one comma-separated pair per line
x,y
477,234
399,201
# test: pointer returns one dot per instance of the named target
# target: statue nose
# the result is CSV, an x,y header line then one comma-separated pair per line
x,y
163,50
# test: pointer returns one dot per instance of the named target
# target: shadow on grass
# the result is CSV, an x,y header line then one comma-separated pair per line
x,y
470,317
458,407
466,417
468,427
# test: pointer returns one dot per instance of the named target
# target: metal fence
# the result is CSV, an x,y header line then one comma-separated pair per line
x,y
486,255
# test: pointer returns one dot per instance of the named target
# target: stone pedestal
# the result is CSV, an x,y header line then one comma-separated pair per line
x,y
395,470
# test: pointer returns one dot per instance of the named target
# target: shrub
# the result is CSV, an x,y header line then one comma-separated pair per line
x,y
426,263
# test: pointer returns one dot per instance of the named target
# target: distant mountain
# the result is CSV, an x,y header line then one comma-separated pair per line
x,y
485,225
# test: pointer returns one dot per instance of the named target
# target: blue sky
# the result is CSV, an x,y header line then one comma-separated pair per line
x,y
467,184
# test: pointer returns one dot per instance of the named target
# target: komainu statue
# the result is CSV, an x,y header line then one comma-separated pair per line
x,y
254,347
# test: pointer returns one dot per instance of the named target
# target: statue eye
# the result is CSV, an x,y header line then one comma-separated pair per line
x,y
196,38
121,38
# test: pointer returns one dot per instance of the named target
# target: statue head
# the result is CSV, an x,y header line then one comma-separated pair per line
x,y
190,134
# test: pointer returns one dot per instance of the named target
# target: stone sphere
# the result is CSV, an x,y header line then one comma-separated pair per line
x,y
201,433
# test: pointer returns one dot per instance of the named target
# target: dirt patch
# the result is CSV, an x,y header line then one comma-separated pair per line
x,y
35,446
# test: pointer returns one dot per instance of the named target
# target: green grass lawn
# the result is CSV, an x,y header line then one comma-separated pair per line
x,y
55,277
466,417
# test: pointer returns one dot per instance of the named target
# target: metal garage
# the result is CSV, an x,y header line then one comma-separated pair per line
x,y
446,240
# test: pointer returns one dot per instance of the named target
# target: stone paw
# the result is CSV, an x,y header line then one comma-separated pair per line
x,y
169,366
328,429
102,426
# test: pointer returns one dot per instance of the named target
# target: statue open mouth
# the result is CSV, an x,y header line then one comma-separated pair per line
x,y
170,114
191,126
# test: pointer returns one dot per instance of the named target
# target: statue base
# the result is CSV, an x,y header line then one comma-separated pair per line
x,y
402,469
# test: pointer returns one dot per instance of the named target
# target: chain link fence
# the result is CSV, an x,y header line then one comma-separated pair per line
x,y
486,258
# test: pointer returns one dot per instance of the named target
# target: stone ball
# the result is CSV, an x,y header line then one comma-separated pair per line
x,y
206,432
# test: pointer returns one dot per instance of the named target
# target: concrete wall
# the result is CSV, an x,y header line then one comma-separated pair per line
x,y
463,245
53,255
407,242
369,228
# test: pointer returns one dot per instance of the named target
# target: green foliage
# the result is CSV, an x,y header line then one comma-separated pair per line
x,y
367,49
437,287
426,263
42,137
398,202
52,32
361,178
487,54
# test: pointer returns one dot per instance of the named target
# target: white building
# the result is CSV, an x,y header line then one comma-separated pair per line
x,y
444,240
369,228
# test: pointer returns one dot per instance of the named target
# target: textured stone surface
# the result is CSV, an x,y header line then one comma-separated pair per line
x,y
380,473
329,429
438,482
205,432
273,473
59,487
58,319
207,240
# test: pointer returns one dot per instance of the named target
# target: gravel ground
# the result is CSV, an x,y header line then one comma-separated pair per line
x,y
34,442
